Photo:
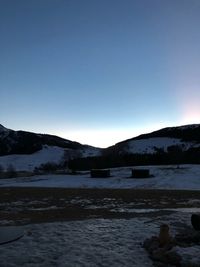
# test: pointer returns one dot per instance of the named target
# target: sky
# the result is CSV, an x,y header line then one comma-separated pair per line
x,y
99,71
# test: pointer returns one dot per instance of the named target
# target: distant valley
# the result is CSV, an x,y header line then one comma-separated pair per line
x,y
27,150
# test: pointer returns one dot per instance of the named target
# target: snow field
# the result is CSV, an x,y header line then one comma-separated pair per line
x,y
164,177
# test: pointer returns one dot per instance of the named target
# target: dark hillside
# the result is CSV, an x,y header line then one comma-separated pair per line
x,y
22,142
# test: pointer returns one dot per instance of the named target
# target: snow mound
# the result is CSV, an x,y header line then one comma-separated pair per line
x,y
80,243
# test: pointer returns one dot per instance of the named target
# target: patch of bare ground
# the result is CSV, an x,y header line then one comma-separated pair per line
x,y
34,205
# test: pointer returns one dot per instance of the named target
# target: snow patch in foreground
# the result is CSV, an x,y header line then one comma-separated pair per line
x,y
80,243
94,243
190,255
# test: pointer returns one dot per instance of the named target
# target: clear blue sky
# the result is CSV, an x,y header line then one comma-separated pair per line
x,y
99,71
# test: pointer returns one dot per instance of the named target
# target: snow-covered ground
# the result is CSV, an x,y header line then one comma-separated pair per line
x,y
164,177
88,243
103,242
92,243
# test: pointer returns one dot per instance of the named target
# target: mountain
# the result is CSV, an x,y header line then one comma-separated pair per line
x,y
27,150
173,145
183,137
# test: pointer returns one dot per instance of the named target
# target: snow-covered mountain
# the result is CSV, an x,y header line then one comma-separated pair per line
x,y
21,142
182,138
26,150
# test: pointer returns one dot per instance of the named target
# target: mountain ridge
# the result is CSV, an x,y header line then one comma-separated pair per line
x,y
24,142
169,132
186,135
171,145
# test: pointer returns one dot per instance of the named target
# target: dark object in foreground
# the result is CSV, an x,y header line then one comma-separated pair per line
x,y
98,173
10,233
195,220
140,173
160,248
165,253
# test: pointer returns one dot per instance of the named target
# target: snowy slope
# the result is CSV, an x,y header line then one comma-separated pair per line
x,y
27,150
184,138
30,161
22,142
151,145
53,154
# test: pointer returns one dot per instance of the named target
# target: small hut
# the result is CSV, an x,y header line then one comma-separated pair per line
x,y
100,173
140,173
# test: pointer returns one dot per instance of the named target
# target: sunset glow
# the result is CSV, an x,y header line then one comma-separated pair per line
x,y
99,72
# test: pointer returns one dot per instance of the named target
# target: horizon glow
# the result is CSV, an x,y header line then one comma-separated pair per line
x,y
99,72
100,138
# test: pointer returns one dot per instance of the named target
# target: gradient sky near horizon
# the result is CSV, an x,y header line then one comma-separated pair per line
x,y
99,71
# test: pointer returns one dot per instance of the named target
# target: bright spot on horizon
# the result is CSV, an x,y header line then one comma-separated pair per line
x,y
190,107
107,137
192,116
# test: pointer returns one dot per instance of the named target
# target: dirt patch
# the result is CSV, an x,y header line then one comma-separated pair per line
x,y
33,205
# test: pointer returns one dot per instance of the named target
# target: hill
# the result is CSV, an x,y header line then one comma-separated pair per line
x,y
27,150
183,137
173,145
